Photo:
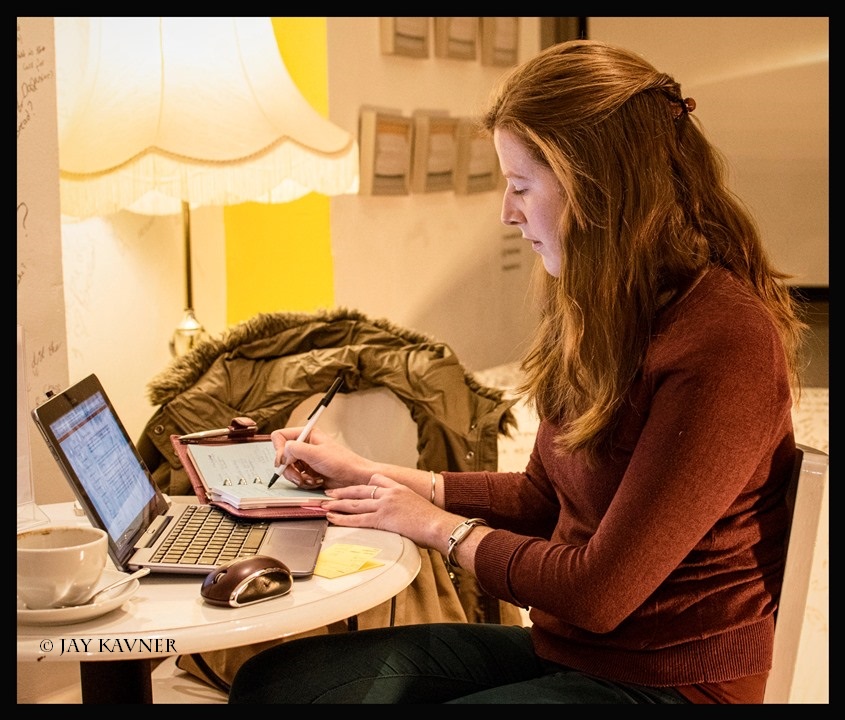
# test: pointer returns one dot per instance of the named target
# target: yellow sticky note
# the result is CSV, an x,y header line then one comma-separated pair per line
x,y
341,559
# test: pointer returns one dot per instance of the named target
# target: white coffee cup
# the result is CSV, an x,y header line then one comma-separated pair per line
x,y
60,565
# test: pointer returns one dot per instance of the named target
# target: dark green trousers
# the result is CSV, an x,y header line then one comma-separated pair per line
x,y
418,664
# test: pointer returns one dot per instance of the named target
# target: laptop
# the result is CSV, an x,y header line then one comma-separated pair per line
x,y
118,494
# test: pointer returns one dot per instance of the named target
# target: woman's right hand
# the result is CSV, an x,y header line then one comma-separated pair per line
x,y
320,460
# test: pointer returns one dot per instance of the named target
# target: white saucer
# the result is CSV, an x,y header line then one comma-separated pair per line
x,y
81,613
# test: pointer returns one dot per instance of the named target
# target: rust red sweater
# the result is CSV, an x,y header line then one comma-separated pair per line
x,y
661,565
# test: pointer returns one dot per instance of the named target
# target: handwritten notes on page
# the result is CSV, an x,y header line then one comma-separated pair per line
x,y
239,474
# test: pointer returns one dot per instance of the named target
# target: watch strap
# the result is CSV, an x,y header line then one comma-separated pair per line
x,y
459,534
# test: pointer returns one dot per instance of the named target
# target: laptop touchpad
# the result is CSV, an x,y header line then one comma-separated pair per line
x,y
301,537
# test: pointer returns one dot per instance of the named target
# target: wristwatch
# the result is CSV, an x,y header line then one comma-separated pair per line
x,y
459,534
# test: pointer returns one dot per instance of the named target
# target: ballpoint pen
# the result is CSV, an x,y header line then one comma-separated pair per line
x,y
203,434
241,427
309,425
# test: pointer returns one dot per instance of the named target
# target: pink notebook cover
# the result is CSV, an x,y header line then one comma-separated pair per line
x,y
279,513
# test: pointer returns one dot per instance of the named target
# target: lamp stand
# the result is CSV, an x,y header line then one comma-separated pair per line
x,y
189,331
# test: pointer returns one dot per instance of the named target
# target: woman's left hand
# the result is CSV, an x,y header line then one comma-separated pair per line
x,y
385,504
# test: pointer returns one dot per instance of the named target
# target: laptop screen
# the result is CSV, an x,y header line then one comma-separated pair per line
x,y
101,463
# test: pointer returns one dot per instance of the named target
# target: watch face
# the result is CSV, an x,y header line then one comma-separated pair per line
x,y
461,531
458,534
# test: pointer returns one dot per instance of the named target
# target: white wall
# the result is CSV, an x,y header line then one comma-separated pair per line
x,y
125,295
431,261
761,85
40,294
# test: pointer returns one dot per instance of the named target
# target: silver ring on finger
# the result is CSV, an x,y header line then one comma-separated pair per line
x,y
373,493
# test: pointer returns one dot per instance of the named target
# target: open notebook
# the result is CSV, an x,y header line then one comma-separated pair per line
x,y
118,494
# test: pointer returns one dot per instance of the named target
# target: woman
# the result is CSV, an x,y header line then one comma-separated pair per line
x,y
647,531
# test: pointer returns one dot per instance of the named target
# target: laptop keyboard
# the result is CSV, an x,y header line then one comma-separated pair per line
x,y
204,535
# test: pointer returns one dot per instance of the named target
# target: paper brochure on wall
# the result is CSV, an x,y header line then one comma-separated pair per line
x,y
404,36
385,141
435,139
499,40
456,37
239,474
476,162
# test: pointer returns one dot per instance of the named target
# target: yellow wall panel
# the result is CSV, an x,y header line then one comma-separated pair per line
x,y
278,257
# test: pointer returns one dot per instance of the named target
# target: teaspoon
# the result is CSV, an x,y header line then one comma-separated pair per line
x,y
137,574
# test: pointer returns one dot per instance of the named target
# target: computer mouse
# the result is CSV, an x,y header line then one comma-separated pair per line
x,y
247,580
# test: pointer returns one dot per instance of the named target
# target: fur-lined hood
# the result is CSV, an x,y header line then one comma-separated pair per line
x,y
185,371
265,367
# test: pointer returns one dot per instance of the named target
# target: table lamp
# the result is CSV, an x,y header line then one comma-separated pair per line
x,y
160,115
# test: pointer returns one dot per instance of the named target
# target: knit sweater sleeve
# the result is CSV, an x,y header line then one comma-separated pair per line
x,y
678,532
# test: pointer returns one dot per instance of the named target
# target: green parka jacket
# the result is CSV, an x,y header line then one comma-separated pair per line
x,y
265,367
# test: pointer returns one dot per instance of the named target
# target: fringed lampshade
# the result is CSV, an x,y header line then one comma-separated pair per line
x,y
157,111
163,115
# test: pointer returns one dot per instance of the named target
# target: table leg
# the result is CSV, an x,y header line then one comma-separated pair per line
x,y
116,682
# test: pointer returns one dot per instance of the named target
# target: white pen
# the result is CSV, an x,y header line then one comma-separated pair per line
x,y
218,432
241,427
309,426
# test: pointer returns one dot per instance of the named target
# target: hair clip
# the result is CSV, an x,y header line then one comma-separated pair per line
x,y
682,107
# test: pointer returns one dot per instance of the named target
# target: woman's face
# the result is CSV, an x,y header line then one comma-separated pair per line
x,y
533,199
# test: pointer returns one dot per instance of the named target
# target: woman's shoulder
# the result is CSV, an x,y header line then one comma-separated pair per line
x,y
719,321
722,303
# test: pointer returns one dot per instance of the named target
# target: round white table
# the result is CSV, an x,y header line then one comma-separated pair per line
x,y
167,616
